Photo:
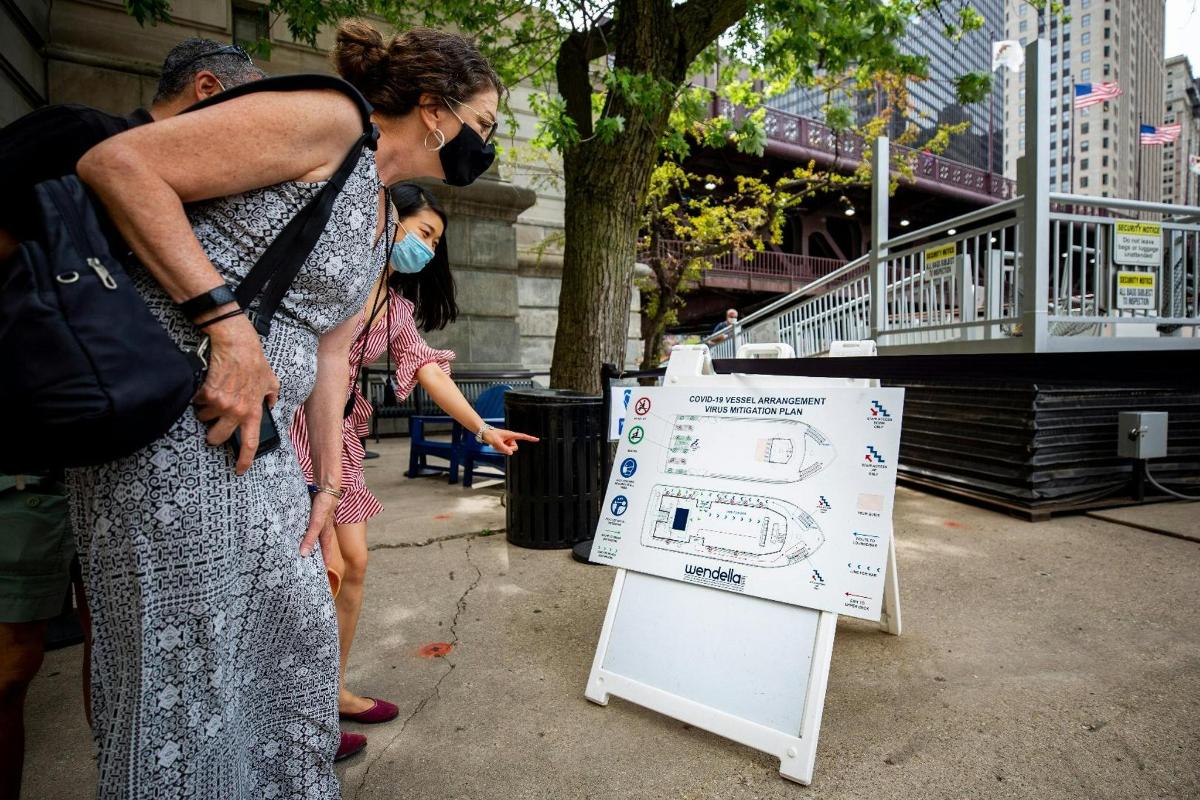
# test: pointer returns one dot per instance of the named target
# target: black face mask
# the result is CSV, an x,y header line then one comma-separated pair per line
x,y
465,157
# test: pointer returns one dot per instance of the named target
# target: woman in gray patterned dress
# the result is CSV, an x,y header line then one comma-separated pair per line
x,y
215,661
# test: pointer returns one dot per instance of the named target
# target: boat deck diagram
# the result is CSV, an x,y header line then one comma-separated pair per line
x,y
739,528
746,449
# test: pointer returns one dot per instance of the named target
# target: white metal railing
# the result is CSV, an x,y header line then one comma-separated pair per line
x,y
827,308
955,281
1094,293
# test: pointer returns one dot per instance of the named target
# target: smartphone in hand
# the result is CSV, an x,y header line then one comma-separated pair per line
x,y
268,435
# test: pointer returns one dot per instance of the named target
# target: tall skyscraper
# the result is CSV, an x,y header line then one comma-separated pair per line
x,y
1094,150
1180,185
933,101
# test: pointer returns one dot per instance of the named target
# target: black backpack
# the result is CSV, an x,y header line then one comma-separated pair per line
x,y
87,374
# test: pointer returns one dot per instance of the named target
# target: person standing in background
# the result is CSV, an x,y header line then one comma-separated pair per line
x,y
724,329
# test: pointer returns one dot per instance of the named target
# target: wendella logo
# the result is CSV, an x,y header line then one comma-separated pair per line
x,y
715,575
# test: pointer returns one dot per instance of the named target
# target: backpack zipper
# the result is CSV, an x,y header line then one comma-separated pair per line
x,y
106,277
61,200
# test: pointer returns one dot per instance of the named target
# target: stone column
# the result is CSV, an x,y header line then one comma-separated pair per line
x,y
482,246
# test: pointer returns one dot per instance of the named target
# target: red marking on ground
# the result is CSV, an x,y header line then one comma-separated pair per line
x,y
952,524
442,516
435,650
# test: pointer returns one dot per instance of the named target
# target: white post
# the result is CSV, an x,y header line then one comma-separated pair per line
x,y
995,293
1035,228
966,297
880,177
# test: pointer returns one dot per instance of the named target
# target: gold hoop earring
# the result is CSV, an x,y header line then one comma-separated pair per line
x,y
441,140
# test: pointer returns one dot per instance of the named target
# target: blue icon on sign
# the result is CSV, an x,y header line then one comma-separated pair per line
x,y
619,505
628,394
628,467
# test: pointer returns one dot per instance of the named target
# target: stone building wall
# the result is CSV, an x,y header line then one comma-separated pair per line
x,y
24,31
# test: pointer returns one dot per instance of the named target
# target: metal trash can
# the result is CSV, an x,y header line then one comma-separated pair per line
x,y
555,486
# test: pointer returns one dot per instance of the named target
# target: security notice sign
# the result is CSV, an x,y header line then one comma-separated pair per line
x,y
1135,290
780,494
1137,243
939,261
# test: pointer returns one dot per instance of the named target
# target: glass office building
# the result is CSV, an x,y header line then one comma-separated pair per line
x,y
933,101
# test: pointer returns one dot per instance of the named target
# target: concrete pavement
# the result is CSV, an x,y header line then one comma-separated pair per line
x,y
1050,660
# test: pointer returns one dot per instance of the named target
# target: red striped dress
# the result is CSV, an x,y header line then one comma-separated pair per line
x,y
409,353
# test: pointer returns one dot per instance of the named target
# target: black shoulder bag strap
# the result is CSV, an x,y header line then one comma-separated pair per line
x,y
272,276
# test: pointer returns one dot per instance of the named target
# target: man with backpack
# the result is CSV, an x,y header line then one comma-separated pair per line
x,y
36,543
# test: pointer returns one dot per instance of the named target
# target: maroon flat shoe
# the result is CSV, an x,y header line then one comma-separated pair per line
x,y
380,711
350,744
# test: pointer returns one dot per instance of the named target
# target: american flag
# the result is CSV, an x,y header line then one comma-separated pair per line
x,y
1089,94
1167,133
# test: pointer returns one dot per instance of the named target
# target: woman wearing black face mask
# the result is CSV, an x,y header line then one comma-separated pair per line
x,y
436,100
215,646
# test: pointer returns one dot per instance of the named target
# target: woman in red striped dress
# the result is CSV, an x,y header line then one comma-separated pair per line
x,y
415,291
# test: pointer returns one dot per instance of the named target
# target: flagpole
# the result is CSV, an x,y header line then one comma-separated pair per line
x,y
991,167
1193,177
1071,177
1138,173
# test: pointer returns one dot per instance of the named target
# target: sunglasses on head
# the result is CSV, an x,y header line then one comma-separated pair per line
x,y
227,50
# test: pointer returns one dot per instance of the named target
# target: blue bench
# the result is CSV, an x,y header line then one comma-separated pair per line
x,y
418,404
472,454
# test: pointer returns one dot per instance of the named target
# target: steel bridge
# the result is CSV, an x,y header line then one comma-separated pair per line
x,y
793,139
800,139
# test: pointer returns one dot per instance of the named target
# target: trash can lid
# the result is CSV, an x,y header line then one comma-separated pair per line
x,y
548,397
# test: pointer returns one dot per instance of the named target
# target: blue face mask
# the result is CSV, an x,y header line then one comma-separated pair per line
x,y
410,254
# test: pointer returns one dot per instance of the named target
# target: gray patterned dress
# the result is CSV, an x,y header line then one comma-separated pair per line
x,y
215,658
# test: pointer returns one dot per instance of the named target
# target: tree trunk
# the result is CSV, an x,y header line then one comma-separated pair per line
x,y
652,346
654,327
652,335
606,182
601,221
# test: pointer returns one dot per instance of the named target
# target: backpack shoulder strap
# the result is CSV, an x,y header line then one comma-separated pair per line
x,y
293,83
272,276
277,267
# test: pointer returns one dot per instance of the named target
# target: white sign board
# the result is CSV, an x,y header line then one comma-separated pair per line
x,y
619,402
781,494
1137,244
748,669
1135,290
754,671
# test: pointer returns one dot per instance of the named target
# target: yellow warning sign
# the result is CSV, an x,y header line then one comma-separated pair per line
x,y
939,261
1135,279
1135,290
1140,228
1137,243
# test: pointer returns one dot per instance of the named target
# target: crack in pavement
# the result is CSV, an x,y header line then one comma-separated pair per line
x,y
450,537
459,608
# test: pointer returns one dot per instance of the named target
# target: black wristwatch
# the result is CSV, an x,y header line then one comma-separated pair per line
x,y
202,303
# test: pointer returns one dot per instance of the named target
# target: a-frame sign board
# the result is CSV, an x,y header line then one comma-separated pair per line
x,y
700,655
